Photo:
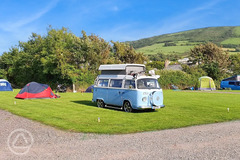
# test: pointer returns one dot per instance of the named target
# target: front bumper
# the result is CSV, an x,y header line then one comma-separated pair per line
x,y
151,107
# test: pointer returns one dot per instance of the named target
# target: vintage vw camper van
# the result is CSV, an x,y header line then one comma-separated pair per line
x,y
127,86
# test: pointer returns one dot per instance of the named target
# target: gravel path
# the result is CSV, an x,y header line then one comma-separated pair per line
x,y
214,141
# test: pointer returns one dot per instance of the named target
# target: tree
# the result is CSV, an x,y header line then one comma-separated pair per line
x,y
157,64
2,74
162,57
211,58
124,53
166,44
60,56
235,63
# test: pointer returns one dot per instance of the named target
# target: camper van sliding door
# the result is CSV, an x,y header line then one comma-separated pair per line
x,y
101,92
115,92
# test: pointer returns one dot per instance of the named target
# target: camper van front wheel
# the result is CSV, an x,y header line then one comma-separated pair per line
x,y
100,103
127,107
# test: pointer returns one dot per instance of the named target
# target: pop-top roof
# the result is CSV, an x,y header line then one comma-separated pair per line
x,y
118,66
233,78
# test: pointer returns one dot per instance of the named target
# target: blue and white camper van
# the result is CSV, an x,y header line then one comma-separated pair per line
x,y
128,87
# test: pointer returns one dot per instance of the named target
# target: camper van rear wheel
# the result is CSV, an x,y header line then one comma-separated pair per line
x,y
127,106
100,103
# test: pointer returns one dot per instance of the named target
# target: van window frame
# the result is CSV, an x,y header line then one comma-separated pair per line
x,y
133,87
103,83
110,83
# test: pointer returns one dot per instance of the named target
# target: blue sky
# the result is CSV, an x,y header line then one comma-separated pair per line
x,y
118,20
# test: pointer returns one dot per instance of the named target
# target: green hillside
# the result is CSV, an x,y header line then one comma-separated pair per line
x,y
181,42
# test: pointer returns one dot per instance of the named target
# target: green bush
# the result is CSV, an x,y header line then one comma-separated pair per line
x,y
156,64
169,44
2,74
178,78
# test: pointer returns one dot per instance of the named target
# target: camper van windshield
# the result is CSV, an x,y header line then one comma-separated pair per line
x,y
148,84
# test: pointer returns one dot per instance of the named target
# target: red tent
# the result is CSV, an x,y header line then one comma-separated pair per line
x,y
34,90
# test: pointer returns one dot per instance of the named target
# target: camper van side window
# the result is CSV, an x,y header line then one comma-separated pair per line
x,y
129,84
231,83
116,83
102,83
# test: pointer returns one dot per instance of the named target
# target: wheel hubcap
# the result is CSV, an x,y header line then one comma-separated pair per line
x,y
100,103
127,107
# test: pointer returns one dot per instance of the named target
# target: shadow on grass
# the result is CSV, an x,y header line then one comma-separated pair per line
x,y
94,104
90,103
144,111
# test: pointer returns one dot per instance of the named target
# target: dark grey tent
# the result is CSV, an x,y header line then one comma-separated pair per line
x,y
90,89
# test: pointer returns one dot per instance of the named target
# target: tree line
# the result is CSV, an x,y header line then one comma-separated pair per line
x,y
62,57
205,59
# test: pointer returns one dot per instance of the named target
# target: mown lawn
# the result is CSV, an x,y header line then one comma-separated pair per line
x,y
76,112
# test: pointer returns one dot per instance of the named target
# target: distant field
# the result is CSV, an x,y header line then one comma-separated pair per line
x,y
231,41
180,49
75,112
229,36
236,31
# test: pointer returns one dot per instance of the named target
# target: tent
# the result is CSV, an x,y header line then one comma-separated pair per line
x,y
206,83
34,90
89,89
5,85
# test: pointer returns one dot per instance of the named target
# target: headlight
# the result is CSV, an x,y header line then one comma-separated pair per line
x,y
144,99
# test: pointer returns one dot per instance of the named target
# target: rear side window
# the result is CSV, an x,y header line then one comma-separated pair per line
x,y
231,83
102,83
116,83
129,84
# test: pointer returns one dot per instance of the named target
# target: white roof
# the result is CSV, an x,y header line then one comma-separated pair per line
x,y
115,76
3,80
125,77
118,66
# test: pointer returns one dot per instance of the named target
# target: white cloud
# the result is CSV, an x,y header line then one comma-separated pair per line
x,y
187,19
115,8
181,22
12,31
14,26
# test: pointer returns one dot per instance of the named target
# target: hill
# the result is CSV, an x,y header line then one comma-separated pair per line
x,y
181,42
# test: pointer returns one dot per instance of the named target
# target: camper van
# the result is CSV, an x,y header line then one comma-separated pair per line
x,y
128,87
231,82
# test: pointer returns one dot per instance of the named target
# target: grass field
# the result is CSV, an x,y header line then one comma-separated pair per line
x,y
180,49
76,112
231,41
236,31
